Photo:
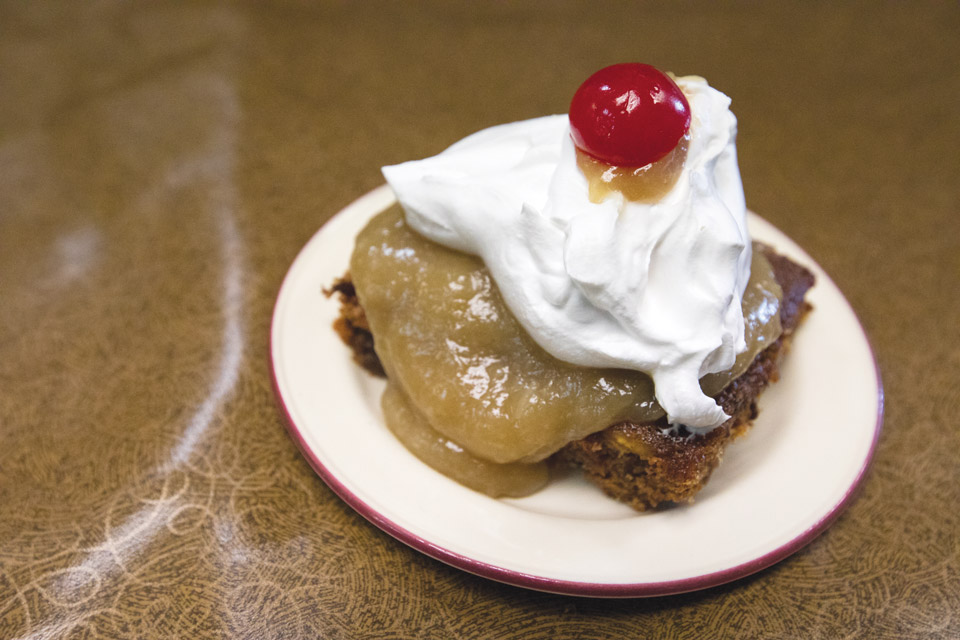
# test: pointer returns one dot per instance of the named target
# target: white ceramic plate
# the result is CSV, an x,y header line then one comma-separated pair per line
x,y
777,488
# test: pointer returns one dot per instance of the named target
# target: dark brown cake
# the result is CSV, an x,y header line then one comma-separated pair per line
x,y
642,464
352,326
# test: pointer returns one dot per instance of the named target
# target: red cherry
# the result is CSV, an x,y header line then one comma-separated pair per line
x,y
629,114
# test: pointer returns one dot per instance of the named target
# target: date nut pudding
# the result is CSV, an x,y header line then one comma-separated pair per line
x,y
575,291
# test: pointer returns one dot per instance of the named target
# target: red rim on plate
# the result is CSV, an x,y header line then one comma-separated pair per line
x,y
376,200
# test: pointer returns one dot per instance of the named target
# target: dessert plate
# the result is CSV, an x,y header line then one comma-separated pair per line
x,y
777,488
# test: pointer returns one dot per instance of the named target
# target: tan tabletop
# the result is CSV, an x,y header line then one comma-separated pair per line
x,y
161,165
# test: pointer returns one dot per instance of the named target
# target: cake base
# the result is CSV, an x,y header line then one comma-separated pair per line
x,y
646,465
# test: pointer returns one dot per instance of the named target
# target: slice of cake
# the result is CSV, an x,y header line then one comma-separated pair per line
x,y
577,291
648,464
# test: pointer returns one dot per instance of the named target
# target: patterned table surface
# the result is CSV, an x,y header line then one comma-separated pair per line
x,y
161,164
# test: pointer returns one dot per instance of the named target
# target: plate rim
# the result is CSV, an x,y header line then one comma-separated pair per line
x,y
544,583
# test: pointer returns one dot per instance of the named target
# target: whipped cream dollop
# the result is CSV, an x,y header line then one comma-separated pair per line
x,y
654,287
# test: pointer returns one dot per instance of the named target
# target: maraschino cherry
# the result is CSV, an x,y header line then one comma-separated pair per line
x,y
629,115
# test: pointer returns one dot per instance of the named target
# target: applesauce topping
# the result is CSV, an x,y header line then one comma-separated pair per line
x,y
470,392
